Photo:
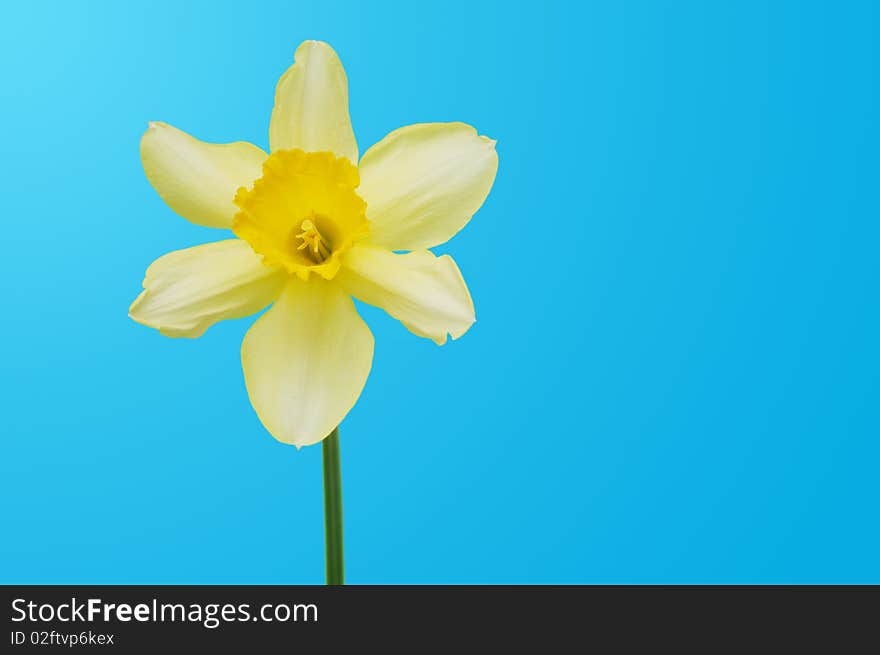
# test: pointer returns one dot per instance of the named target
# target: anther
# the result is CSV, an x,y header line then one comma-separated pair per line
x,y
312,242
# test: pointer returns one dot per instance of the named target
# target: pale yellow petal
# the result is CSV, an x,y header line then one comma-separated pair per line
x,y
198,180
306,361
426,293
422,183
187,291
311,105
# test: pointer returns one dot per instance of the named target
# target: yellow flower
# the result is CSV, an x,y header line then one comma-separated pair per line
x,y
314,227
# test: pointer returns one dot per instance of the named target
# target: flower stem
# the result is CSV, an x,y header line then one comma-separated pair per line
x,y
333,510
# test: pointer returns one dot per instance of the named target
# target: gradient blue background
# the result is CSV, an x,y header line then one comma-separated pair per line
x,y
674,372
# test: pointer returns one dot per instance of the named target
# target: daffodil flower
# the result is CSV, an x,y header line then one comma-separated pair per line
x,y
314,226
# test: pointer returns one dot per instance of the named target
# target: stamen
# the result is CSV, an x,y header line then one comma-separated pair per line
x,y
312,242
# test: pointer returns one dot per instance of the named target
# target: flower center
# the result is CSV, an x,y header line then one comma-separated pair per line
x,y
303,213
312,242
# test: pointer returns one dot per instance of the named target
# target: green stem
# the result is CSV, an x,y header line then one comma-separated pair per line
x,y
333,510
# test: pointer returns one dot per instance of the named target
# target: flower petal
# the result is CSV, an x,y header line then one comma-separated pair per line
x,y
306,360
311,105
426,293
187,291
198,180
422,183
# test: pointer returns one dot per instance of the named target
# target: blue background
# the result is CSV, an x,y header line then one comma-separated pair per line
x,y
676,382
